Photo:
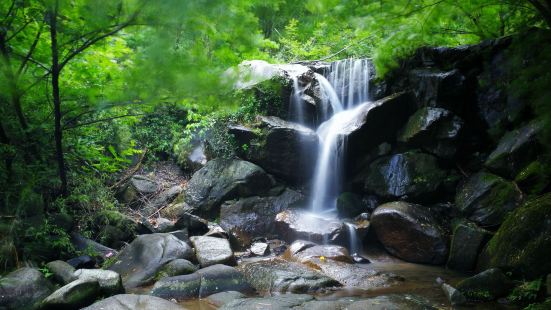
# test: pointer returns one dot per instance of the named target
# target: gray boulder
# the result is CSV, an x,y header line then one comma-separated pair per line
x,y
410,232
467,242
487,285
439,89
455,297
212,251
435,130
23,288
110,282
63,273
138,186
131,301
515,150
251,217
140,261
280,302
75,295
392,302
284,149
277,275
296,224
225,179
332,252
204,282
486,198
177,267
222,298
411,174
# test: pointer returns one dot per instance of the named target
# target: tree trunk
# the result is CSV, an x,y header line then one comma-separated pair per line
x,y
58,133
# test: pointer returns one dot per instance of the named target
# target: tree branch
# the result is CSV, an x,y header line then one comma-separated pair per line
x,y
30,52
101,120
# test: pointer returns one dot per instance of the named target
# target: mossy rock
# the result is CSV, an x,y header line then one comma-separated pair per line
x,y
534,178
349,205
486,198
523,242
485,286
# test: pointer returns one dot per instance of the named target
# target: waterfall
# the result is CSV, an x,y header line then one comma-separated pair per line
x,y
350,79
297,106
354,247
346,88
329,97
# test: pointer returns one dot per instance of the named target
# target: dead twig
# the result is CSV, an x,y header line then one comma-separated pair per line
x,y
130,173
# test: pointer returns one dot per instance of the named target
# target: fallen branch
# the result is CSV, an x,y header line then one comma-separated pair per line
x,y
130,173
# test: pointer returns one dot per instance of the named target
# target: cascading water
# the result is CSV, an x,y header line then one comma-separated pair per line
x,y
296,108
347,86
345,90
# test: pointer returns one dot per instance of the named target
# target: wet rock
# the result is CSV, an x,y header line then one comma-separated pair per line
x,y
340,304
286,301
260,248
467,242
389,113
204,282
333,252
225,179
296,224
110,282
486,198
487,285
349,205
177,267
439,89
212,250
163,225
358,259
62,271
75,295
412,174
410,232
522,243
222,298
391,302
162,199
84,261
285,149
23,288
435,130
534,178
114,228
351,275
131,301
455,297
277,275
515,150
140,261
298,246
247,218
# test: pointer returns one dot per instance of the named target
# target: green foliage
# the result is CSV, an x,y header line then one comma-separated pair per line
x,y
46,272
526,292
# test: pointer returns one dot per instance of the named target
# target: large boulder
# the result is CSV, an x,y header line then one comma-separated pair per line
x,y
212,251
486,198
296,224
389,113
284,149
488,285
439,89
110,282
279,302
139,262
131,301
23,288
204,282
225,179
138,187
523,242
435,130
467,242
515,151
251,217
75,295
114,228
177,267
410,232
332,252
277,275
412,175
63,273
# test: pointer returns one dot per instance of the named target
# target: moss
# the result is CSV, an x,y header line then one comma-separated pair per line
x,y
523,242
534,178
